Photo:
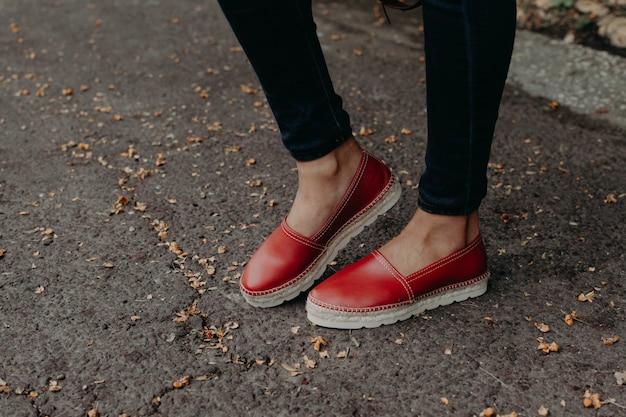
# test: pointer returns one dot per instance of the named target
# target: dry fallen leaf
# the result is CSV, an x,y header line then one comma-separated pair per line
x,y
487,412
620,378
609,341
592,400
54,386
318,342
309,363
543,328
587,297
247,90
4,388
543,411
179,383
130,153
93,413
444,401
569,318
2,252
294,370
547,347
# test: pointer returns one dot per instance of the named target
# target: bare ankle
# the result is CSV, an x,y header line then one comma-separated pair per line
x,y
321,185
342,159
430,237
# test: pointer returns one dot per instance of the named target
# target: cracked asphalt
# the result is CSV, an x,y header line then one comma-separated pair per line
x,y
140,167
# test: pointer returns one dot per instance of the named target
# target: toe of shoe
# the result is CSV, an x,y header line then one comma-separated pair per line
x,y
363,286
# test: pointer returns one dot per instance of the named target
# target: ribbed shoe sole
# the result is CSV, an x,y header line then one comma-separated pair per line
x,y
318,267
375,317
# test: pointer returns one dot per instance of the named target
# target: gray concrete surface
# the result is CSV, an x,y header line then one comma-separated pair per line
x,y
130,202
589,82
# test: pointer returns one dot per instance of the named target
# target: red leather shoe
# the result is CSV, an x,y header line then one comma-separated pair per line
x,y
288,263
371,292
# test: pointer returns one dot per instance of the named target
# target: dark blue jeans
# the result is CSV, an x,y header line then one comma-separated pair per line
x,y
468,46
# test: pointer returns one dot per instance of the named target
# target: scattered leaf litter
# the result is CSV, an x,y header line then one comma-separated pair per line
x,y
610,341
318,342
547,347
587,297
54,386
543,328
592,400
569,318
180,383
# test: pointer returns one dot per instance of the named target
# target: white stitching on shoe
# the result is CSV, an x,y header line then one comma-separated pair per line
x,y
444,261
394,272
299,238
346,197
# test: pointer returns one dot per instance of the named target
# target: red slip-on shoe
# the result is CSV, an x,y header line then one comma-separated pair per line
x,y
288,263
371,292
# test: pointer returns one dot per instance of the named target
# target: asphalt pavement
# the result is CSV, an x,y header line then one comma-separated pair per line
x,y
140,167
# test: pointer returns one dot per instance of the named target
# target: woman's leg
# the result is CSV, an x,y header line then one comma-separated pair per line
x,y
341,188
468,50
439,257
280,40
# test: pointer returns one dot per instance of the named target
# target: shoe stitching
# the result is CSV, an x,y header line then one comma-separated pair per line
x,y
443,262
365,209
454,286
300,238
374,309
394,273
347,196
342,309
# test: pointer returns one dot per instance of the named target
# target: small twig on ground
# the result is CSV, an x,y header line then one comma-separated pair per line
x,y
612,401
493,376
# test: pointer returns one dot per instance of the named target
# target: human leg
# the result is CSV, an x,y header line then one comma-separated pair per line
x,y
333,202
468,50
279,38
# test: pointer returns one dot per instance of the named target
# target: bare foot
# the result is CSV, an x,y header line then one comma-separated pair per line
x,y
321,185
429,237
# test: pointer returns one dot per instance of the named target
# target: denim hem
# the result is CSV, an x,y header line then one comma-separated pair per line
x,y
445,211
320,151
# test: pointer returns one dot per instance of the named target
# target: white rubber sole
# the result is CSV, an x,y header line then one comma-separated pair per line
x,y
337,319
290,292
